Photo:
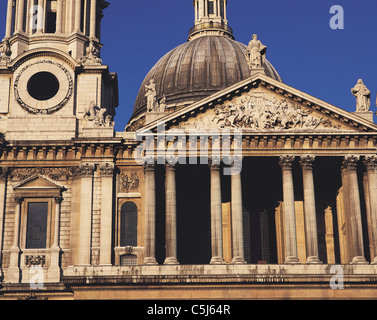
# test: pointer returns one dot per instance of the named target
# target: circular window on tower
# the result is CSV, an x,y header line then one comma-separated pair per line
x,y
43,86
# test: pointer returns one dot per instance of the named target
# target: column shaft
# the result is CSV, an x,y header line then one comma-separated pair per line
x,y
171,216
216,216
40,16
350,165
8,30
371,164
13,275
59,17
93,18
20,16
310,210
107,179
237,220
150,216
78,16
289,211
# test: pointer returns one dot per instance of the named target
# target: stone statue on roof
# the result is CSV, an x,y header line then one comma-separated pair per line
x,y
255,53
362,95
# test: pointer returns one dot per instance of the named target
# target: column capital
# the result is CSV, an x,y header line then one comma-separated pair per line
x,y
58,199
214,162
370,162
86,169
350,162
307,162
171,161
107,169
3,173
18,199
286,161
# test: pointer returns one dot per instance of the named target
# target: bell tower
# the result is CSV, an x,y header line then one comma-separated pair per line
x,y
52,78
210,19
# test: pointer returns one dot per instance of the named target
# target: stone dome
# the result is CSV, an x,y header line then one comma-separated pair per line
x,y
196,70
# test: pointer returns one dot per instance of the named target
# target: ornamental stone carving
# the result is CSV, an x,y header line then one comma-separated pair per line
x,y
92,54
5,52
52,173
129,182
97,116
265,113
52,105
362,95
31,261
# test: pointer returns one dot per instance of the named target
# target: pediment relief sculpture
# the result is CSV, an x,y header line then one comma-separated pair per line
x,y
262,112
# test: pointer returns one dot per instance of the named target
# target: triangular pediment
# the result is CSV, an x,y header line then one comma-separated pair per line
x,y
37,182
263,105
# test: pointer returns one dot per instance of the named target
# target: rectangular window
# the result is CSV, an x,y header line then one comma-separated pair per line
x,y
36,233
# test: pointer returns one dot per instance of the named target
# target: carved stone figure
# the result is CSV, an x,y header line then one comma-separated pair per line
x,y
5,51
97,116
362,95
260,113
151,96
92,54
255,53
162,105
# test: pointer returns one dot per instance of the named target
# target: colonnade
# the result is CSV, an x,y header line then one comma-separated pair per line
x,y
349,173
23,18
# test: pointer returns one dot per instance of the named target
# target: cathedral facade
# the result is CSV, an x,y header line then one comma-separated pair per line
x,y
226,183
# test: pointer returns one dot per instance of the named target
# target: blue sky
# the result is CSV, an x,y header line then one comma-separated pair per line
x,y
306,52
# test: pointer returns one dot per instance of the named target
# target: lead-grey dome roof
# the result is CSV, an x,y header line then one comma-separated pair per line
x,y
198,69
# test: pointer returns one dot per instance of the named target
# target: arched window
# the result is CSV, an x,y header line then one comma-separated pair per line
x,y
128,225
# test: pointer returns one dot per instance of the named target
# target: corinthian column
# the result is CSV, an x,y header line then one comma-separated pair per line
x,y
310,210
150,215
59,17
371,165
216,214
290,237
171,216
86,199
78,16
350,165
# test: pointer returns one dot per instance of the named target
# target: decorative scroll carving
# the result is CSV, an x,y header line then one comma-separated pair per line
x,y
128,250
35,261
52,173
265,113
129,182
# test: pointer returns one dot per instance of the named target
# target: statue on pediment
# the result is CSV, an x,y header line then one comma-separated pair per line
x,y
362,95
255,53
